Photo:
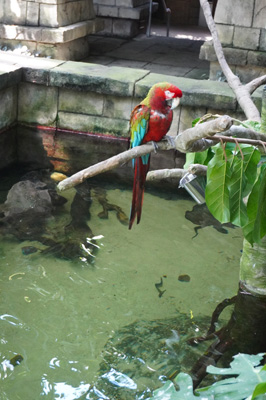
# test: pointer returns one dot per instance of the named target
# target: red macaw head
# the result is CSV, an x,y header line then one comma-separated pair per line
x,y
162,94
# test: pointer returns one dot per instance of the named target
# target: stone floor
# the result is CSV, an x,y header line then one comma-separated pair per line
x,y
176,55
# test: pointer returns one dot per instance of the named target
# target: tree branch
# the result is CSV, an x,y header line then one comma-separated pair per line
x,y
176,173
242,92
182,142
257,82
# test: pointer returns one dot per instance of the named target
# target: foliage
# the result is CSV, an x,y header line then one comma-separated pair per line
x,y
244,380
236,185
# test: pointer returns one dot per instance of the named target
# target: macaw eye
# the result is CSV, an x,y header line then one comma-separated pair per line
x,y
169,95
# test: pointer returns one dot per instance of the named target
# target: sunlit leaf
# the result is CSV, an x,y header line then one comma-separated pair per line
x,y
244,378
260,222
196,158
259,389
238,213
217,192
251,160
255,125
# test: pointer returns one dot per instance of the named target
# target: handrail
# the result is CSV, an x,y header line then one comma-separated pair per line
x,y
168,17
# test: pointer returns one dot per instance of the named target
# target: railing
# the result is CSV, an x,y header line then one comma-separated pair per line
x,y
168,17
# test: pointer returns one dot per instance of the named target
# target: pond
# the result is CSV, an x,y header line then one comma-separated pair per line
x,y
111,324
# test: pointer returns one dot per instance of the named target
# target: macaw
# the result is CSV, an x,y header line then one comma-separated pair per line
x,y
150,121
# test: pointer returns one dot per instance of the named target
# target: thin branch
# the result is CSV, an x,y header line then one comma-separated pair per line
x,y
242,92
257,82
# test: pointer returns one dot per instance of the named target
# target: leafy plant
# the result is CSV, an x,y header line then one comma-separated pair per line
x,y
246,380
236,184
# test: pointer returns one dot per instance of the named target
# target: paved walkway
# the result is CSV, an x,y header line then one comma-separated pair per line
x,y
176,55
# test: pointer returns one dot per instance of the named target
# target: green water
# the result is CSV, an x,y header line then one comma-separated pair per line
x,y
59,314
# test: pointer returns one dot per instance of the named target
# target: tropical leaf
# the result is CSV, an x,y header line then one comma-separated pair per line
x,y
238,212
259,389
217,192
251,160
196,158
255,125
245,379
260,221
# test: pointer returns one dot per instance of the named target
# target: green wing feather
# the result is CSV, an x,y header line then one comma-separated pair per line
x,y
139,123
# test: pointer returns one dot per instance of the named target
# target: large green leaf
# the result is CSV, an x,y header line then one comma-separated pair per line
x,y
217,192
255,228
251,159
247,380
196,158
238,212
260,221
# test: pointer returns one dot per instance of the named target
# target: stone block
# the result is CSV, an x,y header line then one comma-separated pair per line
x,y
55,15
8,150
37,104
196,93
188,114
117,107
225,33
246,38
135,12
259,14
262,45
105,2
92,124
80,102
32,16
77,49
247,73
13,12
125,28
33,147
130,3
97,78
10,74
257,58
107,26
240,13
107,11
8,106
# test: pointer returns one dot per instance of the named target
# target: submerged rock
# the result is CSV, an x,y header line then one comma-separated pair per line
x,y
144,354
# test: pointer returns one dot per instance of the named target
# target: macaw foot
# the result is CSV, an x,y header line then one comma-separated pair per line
x,y
171,140
155,146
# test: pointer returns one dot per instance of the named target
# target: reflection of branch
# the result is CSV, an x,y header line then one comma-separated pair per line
x,y
242,92
183,143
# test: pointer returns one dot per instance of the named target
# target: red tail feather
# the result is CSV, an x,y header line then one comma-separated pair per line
x,y
141,171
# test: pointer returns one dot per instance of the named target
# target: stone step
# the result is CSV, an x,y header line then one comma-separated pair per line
x,y
114,11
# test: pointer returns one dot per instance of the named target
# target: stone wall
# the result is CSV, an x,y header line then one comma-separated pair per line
x,y
242,31
50,28
122,18
69,115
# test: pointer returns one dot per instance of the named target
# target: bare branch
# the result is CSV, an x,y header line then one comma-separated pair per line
x,y
242,92
257,82
176,173
183,143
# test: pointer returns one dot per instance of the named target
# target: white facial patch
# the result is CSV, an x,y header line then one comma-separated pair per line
x,y
169,95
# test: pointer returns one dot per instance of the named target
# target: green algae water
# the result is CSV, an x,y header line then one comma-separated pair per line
x,y
66,316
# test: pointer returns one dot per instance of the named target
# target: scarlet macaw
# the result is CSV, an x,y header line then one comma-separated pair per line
x,y
150,121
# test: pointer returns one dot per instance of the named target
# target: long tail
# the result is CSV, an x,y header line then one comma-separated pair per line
x,y
141,171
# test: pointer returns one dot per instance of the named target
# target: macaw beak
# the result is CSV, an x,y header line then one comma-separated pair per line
x,y
175,102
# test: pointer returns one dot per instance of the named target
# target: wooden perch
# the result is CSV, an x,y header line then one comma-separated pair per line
x,y
182,143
